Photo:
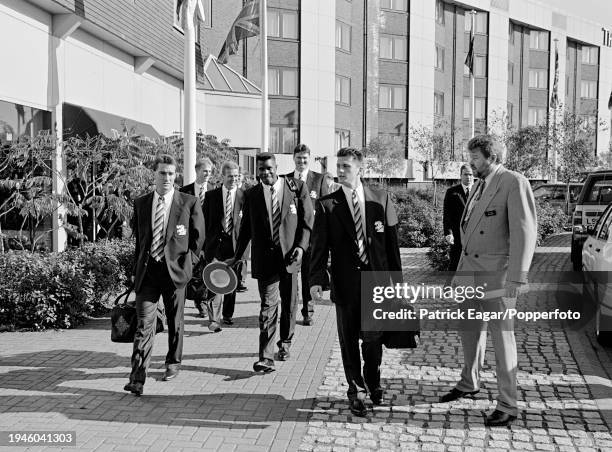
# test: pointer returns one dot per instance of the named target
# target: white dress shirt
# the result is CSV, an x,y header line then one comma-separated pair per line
x,y
348,192
467,188
197,187
304,174
167,205
278,188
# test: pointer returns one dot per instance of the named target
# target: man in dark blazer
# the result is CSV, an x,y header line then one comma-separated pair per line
x,y
222,215
169,227
454,203
357,225
204,170
315,183
277,220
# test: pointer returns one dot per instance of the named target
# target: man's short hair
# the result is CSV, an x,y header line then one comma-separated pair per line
x,y
464,167
351,152
164,159
229,164
488,146
203,161
263,156
301,148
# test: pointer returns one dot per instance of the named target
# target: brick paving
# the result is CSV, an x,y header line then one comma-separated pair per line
x,y
73,380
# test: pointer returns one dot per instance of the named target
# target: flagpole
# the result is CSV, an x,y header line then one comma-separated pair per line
x,y
265,110
472,82
189,92
554,106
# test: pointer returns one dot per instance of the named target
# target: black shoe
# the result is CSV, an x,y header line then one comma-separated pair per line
x,y
455,394
358,408
307,321
135,388
228,321
378,397
264,365
283,355
170,373
241,288
499,419
214,327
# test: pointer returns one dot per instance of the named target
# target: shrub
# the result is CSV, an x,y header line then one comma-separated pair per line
x,y
60,290
419,220
438,253
551,220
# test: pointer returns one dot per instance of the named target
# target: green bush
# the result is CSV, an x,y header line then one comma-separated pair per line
x,y
60,290
438,253
551,220
419,220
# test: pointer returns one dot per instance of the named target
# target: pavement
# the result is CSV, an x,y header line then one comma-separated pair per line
x,y
72,380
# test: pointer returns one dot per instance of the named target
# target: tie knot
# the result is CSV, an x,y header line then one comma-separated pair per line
x,y
354,193
161,199
272,189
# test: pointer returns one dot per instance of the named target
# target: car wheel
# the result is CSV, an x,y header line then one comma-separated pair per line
x,y
605,338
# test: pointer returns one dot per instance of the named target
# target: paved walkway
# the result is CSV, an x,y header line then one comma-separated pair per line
x,y
72,381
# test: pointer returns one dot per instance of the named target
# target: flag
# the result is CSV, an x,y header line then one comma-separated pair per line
x,y
554,100
245,26
469,59
610,102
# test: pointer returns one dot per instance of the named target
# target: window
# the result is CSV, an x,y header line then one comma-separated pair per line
x,y
343,36
538,78
589,55
392,97
283,82
393,47
439,104
395,5
282,24
480,67
588,89
283,139
439,58
343,90
536,116
511,73
479,108
343,138
510,112
511,33
538,40
480,22
440,12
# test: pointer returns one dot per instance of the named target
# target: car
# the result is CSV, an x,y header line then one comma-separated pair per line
x,y
556,194
595,195
597,271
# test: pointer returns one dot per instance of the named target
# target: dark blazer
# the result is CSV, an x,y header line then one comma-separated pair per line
x,y
295,228
190,189
185,211
315,182
214,215
454,203
334,231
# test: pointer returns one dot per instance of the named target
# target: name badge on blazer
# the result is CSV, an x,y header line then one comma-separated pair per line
x,y
490,213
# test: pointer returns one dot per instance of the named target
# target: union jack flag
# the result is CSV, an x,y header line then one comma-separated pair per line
x,y
245,26
554,100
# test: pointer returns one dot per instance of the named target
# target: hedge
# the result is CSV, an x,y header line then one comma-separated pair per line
x,y
60,290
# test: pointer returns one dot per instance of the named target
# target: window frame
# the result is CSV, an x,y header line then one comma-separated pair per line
x,y
392,90
393,41
280,14
540,33
280,81
440,20
437,58
340,26
541,76
280,138
438,99
593,52
338,94
392,7
338,138
591,86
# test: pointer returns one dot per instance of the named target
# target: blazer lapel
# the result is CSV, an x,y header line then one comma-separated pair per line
x,y
310,181
147,216
369,212
261,207
485,200
344,213
287,198
173,215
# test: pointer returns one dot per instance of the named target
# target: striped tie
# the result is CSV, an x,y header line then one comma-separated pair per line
x,y
229,224
202,194
359,229
275,217
157,247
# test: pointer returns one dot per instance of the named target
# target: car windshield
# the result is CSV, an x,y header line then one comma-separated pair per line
x,y
601,192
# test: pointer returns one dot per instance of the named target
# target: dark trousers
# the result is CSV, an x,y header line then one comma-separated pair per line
x,y
455,255
225,251
157,282
307,303
280,288
349,332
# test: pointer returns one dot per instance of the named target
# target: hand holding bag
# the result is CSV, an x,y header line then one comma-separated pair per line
x,y
124,320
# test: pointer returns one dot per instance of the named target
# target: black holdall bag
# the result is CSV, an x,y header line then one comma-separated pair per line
x,y
124,319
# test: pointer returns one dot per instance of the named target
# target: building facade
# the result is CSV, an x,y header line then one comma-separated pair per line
x,y
340,71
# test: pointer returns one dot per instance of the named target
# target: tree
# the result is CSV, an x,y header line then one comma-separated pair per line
x,y
384,156
433,145
526,151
